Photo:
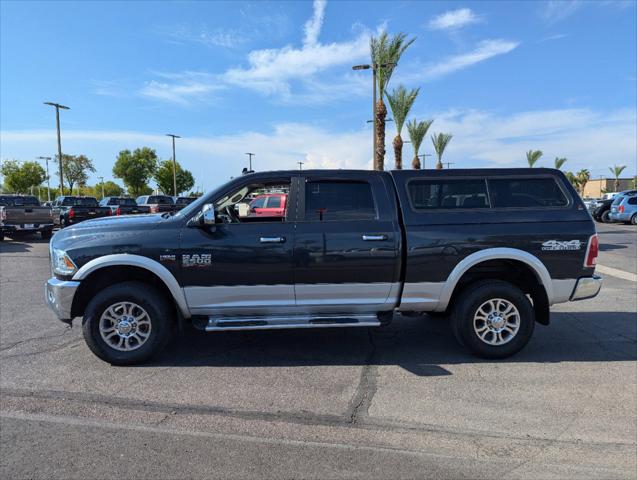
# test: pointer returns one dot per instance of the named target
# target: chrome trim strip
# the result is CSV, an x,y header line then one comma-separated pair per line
x,y
202,299
372,294
290,321
138,261
421,296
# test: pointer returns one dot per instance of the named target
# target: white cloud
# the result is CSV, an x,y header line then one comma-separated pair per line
x,y
313,26
485,50
454,19
589,139
554,11
217,37
181,88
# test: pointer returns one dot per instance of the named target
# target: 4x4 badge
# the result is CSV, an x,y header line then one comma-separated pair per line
x,y
566,245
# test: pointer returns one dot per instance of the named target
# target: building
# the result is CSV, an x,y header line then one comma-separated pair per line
x,y
595,188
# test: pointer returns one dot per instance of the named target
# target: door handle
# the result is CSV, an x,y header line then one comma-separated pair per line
x,y
374,238
272,239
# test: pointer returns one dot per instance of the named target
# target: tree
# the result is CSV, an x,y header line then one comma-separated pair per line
x,y
582,178
19,177
617,171
76,169
440,142
400,102
111,189
571,177
385,52
417,132
164,178
136,168
559,162
532,156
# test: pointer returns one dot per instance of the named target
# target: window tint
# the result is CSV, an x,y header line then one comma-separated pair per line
x,y
430,194
526,192
330,201
160,199
632,201
274,202
258,202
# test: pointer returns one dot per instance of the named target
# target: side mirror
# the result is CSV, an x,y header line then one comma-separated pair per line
x,y
208,216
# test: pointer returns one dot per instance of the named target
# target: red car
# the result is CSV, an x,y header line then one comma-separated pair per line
x,y
269,205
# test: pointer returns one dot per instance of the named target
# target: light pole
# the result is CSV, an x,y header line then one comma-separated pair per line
x,y
374,68
174,164
424,159
102,182
57,120
449,163
250,155
300,165
48,183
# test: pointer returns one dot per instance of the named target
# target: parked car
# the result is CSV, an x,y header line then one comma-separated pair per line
x,y
156,203
493,248
181,202
624,208
269,205
21,214
69,210
601,211
123,206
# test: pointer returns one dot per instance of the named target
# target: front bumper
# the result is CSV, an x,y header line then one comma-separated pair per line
x,y
59,296
586,287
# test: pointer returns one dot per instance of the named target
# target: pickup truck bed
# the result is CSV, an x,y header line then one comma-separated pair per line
x,y
23,214
491,248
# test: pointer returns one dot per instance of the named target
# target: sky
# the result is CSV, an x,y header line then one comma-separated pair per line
x,y
275,79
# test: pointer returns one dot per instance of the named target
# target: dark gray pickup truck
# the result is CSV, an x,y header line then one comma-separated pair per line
x,y
22,214
491,249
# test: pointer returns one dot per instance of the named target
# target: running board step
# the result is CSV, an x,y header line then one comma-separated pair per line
x,y
216,324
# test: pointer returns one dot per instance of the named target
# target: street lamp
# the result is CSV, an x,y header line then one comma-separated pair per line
x,y
102,182
57,120
174,164
48,183
374,67
250,155
300,165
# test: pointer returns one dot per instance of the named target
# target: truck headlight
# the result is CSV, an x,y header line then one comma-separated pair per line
x,y
62,263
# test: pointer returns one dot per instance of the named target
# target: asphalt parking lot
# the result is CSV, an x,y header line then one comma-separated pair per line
x,y
398,402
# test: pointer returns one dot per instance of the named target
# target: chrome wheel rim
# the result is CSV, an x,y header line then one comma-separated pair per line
x,y
496,321
125,326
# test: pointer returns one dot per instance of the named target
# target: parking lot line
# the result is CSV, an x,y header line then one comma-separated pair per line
x,y
615,272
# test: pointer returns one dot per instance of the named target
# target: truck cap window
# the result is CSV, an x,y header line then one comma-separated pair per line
x,y
526,192
333,201
434,194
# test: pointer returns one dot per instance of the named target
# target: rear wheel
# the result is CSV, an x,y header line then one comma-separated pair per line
x,y
633,219
605,217
493,319
127,323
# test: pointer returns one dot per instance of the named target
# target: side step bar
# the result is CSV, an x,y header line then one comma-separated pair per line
x,y
217,324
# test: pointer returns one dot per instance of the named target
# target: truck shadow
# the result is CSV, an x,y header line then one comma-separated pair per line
x,y
20,244
420,345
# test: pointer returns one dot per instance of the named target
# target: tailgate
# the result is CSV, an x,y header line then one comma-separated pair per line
x,y
28,215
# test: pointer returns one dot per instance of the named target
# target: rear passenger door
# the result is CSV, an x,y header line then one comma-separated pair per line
x,y
346,249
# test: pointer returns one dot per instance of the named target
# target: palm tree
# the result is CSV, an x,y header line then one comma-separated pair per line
x,y
400,102
440,142
385,52
417,132
559,162
583,176
532,156
617,171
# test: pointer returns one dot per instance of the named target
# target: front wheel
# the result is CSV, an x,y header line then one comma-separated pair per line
x,y
493,319
127,323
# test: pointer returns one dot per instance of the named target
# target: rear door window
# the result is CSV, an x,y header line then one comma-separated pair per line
x,y
274,202
339,201
526,192
448,194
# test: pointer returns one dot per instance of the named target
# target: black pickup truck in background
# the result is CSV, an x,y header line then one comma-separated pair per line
x,y
123,206
22,214
69,210
157,203
492,249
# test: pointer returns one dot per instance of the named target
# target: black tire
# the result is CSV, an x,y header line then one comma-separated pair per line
x,y
633,219
605,217
472,298
147,297
46,234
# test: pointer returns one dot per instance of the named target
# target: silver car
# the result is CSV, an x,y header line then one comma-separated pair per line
x,y
624,208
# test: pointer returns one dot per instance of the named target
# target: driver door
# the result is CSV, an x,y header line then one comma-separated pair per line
x,y
242,266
